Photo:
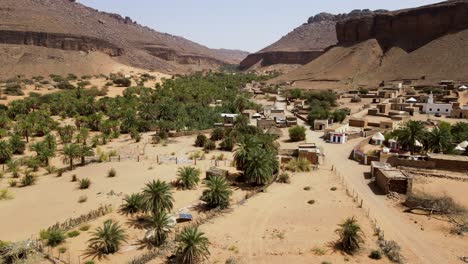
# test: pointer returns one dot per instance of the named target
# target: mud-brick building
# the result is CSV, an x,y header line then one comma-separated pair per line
x,y
390,179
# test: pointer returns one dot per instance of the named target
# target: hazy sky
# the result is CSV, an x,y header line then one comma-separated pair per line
x,y
248,25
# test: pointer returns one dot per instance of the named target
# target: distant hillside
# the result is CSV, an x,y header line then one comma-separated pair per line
x,y
74,28
426,44
304,43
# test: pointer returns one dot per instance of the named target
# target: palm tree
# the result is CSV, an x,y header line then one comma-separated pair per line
x,y
14,167
70,152
85,151
50,141
440,138
243,150
66,133
188,177
350,235
193,246
43,152
132,204
160,228
241,121
218,193
157,196
82,136
260,167
107,239
24,127
16,144
410,134
5,152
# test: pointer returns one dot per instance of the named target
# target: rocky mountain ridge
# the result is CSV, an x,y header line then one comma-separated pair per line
x,y
305,43
71,26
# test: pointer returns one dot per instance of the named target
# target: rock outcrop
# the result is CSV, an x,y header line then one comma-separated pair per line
x,y
279,57
70,26
425,44
304,43
407,29
59,41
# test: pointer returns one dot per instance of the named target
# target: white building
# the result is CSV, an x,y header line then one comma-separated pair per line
x,y
436,108
337,138
378,139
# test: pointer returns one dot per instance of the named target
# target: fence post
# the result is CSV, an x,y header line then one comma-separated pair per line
x,y
157,159
138,158
195,161
119,158
176,160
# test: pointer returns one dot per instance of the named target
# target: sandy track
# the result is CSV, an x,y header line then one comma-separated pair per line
x,y
417,246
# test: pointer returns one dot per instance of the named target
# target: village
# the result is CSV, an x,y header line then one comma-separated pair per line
x,y
339,156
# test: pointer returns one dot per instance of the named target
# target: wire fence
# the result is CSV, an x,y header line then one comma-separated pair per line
x,y
359,201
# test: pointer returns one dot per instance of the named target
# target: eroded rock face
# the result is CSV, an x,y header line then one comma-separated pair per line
x,y
280,57
408,29
305,43
58,41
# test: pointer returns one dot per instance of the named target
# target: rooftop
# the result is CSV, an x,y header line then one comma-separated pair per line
x,y
394,173
447,157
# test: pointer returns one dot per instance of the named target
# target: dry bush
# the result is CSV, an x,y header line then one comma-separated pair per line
x,y
391,249
461,226
443,205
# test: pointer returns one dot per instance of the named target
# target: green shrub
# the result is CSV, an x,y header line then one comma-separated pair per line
x,y
201,141
112,173
13,89
375,254
84,228
227,144
28,179
123,82
5,194
217,134
209,145
62,250
297,133
13,183
73,233
65,85
50,169
84,183
299,165
89,262
284,178
53,236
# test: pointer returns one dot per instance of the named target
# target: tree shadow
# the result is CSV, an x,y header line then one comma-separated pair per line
x,y
139,222
94,253
144,244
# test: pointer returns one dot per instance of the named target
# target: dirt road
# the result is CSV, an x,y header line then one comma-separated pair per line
x,y
416,245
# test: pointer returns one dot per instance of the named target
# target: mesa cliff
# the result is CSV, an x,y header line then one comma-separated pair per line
x,y
303,44
72,27
425,44
407,29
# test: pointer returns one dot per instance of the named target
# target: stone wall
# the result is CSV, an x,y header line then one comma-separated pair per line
x,y
395,161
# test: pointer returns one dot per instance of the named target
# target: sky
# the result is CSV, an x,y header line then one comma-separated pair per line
x,y
248,25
